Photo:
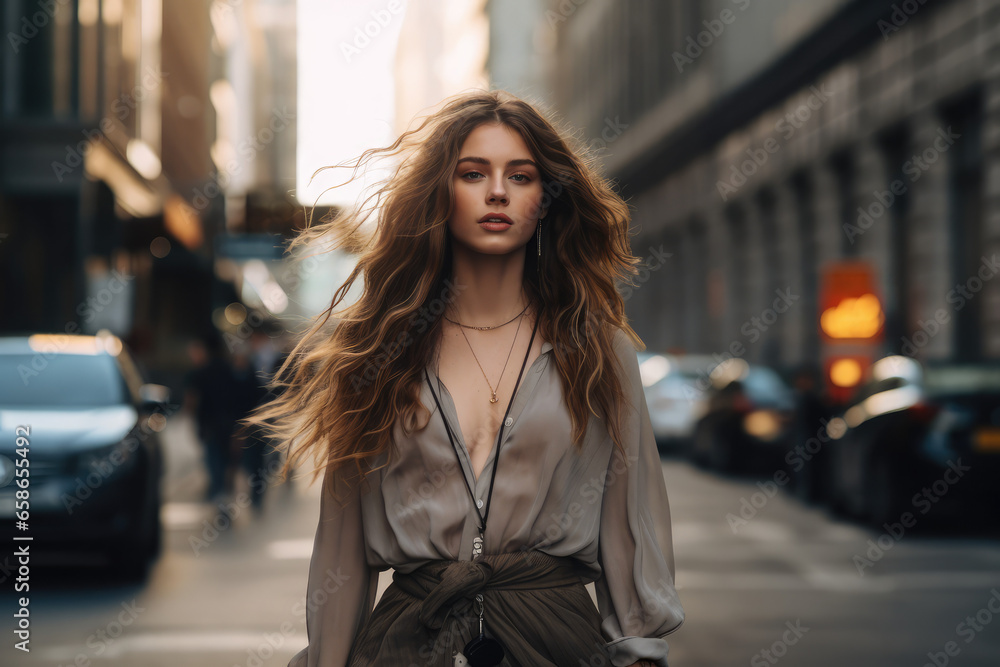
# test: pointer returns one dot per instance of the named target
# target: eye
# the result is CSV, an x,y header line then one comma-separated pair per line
x,y
524,178
471,173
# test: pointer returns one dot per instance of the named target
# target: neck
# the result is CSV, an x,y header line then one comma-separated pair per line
x,y
490,288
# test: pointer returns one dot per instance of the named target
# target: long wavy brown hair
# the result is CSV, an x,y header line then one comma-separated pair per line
x,y
343,386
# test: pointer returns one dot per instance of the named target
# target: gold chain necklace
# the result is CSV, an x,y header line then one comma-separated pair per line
x,y
495,326
494,391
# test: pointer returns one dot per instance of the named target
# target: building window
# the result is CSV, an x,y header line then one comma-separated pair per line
x,y
842,165
40,76
693,293
807,269
770,246
738,267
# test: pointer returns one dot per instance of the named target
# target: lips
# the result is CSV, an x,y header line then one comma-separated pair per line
x,y
496,217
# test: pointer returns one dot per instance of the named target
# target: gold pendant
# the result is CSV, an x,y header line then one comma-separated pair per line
x,y
494,399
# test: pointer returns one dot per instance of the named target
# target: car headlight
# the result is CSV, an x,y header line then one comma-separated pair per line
x,y
763,424
107,461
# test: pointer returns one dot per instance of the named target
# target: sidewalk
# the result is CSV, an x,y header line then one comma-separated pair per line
x,y
184,476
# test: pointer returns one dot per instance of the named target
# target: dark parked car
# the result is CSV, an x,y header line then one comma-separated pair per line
x,y
747,419
80,434
918,440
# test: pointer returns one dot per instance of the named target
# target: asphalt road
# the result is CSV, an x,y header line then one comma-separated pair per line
x,y
764,582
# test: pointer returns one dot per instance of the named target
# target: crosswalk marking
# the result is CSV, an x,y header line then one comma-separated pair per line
x,y
182,516
290,549
190,641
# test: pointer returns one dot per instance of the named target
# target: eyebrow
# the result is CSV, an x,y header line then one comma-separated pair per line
x,y
510,163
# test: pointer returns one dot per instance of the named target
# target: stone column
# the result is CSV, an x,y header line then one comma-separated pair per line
x,y
930,245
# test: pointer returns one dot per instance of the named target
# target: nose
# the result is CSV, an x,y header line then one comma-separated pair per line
x,y
497,193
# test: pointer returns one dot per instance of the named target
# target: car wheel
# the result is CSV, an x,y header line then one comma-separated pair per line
x,y
131,562
701,444
721,453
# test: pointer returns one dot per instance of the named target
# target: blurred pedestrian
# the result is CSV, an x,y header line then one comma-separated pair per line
x,y
252,369
209,390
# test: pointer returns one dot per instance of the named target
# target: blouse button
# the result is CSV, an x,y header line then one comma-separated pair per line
x,y
479,502
508,421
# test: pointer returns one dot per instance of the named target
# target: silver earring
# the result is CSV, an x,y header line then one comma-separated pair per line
x,y
539,237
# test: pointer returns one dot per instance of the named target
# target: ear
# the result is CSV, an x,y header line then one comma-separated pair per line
x,y
543,213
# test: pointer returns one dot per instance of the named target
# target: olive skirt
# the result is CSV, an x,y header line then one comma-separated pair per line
x,y
535,605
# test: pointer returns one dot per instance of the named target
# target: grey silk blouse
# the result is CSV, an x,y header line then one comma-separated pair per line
x,y
610,514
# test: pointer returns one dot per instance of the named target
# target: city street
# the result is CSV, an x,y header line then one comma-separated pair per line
x,y
781,586
224,221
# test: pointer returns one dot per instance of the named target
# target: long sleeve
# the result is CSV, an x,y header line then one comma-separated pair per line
x,y
635,593
341,588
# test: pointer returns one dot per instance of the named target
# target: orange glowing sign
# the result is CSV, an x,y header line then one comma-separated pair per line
x,y
859,317
850,308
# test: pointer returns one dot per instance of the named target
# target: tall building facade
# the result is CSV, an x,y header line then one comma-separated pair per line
x,y
135,133
760,143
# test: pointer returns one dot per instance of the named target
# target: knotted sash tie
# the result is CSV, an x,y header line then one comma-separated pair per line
x,y
554,621
448,586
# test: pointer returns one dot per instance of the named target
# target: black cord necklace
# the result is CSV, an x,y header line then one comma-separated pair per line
x,y
478,541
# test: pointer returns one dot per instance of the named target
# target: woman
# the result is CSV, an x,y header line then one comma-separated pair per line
x,y
498,248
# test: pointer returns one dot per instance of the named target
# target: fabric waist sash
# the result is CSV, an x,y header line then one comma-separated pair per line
x,y
535,604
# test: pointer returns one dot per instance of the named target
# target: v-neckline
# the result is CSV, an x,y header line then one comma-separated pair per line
x,y
515,410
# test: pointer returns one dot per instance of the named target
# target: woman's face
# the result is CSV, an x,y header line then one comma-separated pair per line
x,y
496,177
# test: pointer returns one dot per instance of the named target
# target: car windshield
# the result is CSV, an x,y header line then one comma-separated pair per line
x,y
765,386
681,384
70,380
